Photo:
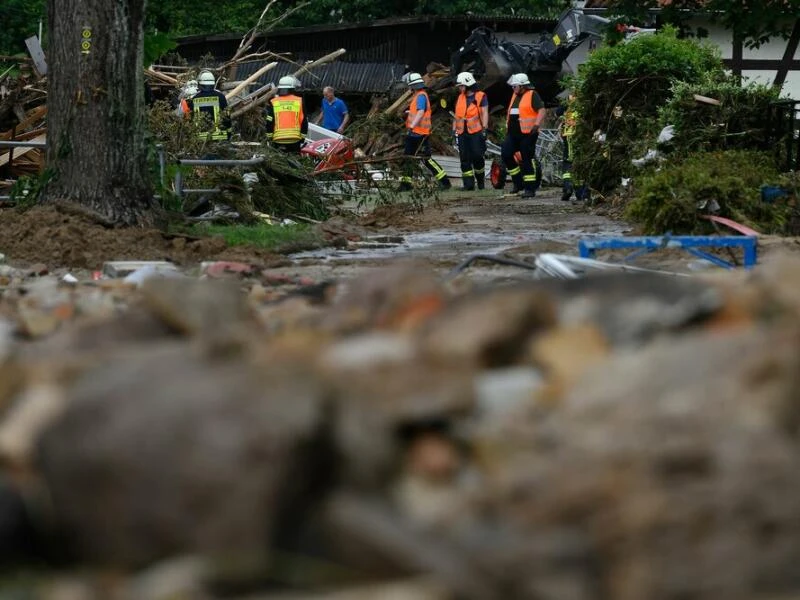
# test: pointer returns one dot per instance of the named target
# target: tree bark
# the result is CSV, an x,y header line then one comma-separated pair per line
x,y
96,151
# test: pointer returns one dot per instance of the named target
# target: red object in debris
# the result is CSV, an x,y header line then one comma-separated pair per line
x,y
743,229
97,275
332,155
222,268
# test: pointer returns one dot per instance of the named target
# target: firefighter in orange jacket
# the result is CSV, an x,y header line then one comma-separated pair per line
x,y
287,124
525,115
469,125
418,130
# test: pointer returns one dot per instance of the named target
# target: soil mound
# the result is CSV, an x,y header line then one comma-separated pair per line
x,y
49,235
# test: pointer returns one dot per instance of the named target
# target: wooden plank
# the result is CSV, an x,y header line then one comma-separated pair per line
x,y
32,117
706,100
21,151
37,54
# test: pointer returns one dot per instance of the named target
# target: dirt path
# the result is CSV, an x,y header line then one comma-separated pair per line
x,y
480,223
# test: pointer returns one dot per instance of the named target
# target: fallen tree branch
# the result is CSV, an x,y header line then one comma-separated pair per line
x,y
250,79
306,68
250,36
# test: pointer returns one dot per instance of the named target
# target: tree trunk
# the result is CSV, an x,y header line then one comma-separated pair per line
x,y
96,148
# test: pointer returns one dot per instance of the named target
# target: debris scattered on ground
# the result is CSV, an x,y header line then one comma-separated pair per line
x,y
237,430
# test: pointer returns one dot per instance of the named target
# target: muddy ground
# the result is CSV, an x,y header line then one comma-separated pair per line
x,y
442,236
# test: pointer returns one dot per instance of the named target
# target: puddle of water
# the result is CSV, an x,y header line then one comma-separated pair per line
x,y
445,242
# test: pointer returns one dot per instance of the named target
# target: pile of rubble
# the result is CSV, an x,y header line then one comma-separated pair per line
x,y
240,435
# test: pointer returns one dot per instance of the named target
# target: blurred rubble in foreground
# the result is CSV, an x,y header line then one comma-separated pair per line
x,y
622,436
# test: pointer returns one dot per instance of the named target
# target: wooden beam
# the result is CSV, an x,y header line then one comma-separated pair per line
x,y
21,151
788,55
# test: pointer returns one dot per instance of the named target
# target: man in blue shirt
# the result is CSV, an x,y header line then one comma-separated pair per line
x,y
334,115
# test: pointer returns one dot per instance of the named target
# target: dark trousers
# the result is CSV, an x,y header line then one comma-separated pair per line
x,y
471,148
292,148
567,184
523,174
420,147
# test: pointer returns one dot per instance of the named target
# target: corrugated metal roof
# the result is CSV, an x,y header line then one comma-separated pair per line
x,y
342,76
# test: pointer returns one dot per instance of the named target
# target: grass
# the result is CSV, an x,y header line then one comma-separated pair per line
x,y
277,238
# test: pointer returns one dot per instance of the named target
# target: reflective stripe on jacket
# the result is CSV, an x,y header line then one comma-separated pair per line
x,y
288,119
424,126
570,122
206,104
468,113
524,109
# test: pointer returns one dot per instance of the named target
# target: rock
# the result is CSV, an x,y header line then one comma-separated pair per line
x,y
506,392
226,269
192,307
169,453
631,309
565,353
37,270
367,351
122,268
674,462
489,329
400,297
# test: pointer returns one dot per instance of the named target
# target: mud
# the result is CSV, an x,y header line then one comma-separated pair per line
x,y
57,239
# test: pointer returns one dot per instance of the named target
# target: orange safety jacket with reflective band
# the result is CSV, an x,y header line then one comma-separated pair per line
x,y
424,126
527,114
200,102
288,111
469,114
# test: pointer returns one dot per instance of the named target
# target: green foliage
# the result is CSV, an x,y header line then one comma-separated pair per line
x,y
19,19
270,237
672,198
739,121
27,190
620,90
156,45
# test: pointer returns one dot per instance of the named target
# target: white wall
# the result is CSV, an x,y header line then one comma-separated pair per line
x,y
772,50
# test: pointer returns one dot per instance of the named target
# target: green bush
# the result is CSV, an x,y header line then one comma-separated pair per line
x,y
673,198
739,121
636,78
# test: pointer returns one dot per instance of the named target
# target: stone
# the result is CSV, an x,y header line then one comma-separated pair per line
x,y
122,268
489,329
168,452
195,307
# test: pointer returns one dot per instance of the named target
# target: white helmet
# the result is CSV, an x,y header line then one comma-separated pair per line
x,y
190,88
287,83
466,79
413,80
206,78
519,79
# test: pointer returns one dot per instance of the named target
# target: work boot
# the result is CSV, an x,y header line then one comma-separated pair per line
x,y
479,179
405,186
527,194
566,192
444,183
469,184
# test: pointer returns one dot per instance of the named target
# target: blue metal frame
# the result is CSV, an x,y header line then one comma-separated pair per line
x,y
690,243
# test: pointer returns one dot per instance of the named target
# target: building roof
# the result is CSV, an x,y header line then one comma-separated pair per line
x,y
365,78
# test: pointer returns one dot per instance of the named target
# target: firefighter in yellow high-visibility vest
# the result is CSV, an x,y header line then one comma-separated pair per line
x,y
569,123
287,124
211,106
